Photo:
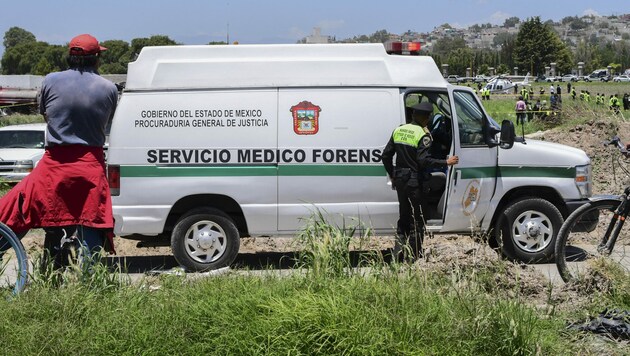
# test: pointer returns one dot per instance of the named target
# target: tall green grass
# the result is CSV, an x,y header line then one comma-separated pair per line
x,y
233,315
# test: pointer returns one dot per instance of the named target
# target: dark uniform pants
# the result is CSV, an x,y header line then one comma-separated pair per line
x,y
410,228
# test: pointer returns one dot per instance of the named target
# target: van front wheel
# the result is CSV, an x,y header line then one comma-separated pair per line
x,y
528,230
205,241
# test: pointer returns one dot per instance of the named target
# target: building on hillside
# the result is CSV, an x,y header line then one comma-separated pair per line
x,y
317,37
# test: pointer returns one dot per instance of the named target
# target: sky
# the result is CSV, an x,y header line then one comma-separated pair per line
x,y
271,21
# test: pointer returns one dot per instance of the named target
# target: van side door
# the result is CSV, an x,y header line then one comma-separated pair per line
x,y
331,141
473,182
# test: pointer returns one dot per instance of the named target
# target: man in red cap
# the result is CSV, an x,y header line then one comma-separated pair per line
x,y
67,193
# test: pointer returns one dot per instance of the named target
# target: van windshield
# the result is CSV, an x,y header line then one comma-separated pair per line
x,y
21,139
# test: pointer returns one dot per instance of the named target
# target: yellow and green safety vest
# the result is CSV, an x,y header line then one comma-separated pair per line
x,y
408,134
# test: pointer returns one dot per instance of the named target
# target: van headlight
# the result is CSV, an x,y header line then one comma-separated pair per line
x,y
583,180
23,166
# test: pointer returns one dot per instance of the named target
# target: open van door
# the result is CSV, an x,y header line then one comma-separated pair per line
x,y
473,181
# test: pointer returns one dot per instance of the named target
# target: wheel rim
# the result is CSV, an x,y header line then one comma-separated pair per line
x,y
532,231
206,241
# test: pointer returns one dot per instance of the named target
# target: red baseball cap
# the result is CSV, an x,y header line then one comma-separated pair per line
x,y
84,45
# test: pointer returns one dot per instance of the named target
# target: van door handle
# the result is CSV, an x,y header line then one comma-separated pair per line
x,y
457,173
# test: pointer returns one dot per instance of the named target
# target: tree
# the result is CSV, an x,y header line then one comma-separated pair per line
x,y
381,36
156,40
537,45
511,22
460,59
503,69
15,36
116,58
448,44
502,38
33,58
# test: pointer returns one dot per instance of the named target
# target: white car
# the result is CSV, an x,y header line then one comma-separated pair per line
x,y
21,148
569,78
621,78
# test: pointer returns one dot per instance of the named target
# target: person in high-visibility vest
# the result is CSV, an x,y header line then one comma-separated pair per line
x,y
411,144
573,93
614,103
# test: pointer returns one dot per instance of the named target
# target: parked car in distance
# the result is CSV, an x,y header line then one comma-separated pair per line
x,y
480,78
599,74
569,78
621,78
543,78
453,79
21,148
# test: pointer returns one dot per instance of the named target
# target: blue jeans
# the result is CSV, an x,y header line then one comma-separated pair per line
x,y
59,239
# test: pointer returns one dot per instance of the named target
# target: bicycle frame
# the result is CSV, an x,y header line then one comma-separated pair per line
x,y
619,218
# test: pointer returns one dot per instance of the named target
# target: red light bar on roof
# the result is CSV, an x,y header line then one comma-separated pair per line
x,y
406,48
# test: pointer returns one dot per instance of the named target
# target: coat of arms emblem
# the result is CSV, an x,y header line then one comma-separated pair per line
x,y
305,118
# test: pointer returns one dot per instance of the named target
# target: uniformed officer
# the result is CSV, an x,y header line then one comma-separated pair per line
x,y
411,143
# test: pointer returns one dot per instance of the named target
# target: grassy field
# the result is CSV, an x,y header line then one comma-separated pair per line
x,y
571,112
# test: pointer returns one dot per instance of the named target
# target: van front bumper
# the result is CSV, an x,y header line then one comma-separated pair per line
x,y
573,205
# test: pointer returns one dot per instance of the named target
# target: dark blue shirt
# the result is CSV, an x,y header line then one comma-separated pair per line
x,y
79,105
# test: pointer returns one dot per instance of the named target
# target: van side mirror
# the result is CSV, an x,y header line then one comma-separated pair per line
x,y
507,134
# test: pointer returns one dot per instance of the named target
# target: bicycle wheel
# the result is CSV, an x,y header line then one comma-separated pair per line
x,y
13,261
581,246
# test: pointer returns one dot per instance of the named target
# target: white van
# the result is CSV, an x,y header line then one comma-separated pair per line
x,y
213,143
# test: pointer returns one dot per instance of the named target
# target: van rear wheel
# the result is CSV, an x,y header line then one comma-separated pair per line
x,y
528,230
204,241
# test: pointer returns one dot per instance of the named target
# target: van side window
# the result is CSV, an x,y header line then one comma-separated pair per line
x,y
469,119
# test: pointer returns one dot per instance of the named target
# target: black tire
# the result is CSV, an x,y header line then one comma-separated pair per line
x,y
13,270
527,230
579,240
204,240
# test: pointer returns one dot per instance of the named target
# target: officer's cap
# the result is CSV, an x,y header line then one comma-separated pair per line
x,y
424,107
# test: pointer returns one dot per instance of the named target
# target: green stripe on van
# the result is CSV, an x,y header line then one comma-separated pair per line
x,y
514,171
247,171
330,170
153,171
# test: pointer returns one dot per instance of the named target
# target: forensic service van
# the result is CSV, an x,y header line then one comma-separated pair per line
x,y
213,143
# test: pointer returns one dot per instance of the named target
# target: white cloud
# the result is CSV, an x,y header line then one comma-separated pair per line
x,y
589,12
499,17
326,26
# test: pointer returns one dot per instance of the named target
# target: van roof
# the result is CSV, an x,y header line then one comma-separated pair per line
x,y
289,65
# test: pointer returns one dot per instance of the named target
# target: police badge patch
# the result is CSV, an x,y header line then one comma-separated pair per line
x,y
426,141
